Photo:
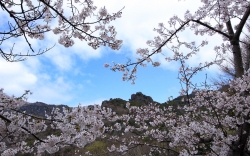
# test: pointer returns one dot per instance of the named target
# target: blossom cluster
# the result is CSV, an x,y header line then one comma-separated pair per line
x,y
207,124
32,19
77,126
213,17
210,122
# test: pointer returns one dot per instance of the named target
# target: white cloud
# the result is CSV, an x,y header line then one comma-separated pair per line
x,y
135,28
33,64
84,51
15,77
58,91
18,77
61,58
140,17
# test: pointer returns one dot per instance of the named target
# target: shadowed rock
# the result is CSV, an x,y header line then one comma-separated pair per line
x,y
141,98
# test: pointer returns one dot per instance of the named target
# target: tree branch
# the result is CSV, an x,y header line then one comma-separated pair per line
x,y
242,23
230,28
25,129
211,28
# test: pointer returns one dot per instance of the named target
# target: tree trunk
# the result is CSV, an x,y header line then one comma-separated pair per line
x,y
240,145
247,54
237,55
243,131
238,63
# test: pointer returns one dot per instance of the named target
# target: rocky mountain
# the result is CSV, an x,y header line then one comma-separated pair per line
x,y
119,105
39,108
98,147
141,98
116,104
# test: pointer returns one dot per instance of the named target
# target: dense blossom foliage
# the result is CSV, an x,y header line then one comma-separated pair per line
x,y
77,126
213,17
75,19
212,122
208,125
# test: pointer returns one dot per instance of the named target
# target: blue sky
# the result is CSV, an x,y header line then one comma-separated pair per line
x,y
77,75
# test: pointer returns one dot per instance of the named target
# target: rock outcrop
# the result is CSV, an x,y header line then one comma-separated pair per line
x,y
118,105
141,98
39,108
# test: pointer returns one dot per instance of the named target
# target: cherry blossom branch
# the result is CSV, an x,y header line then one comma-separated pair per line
x,y
75,26
25,129
211,28
242,23
31,21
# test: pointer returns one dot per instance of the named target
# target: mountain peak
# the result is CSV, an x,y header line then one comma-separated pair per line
x,y
141,98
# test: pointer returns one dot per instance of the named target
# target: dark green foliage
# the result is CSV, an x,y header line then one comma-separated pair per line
x,y
132,122
137,104
97,147
118,102
155,153
117,105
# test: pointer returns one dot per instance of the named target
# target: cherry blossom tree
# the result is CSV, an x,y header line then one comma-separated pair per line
x,y
246,47
208,122
27,20
214,17
211,122
76,19
77,126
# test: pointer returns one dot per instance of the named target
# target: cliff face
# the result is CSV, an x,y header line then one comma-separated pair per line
x,y
141,98
39,108
118,105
